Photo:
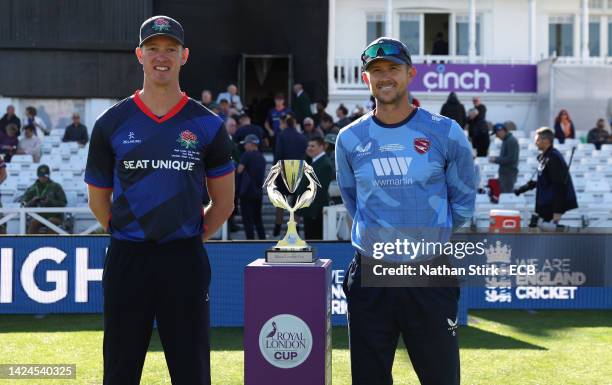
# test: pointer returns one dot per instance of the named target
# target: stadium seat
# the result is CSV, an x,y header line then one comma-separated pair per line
x,y
511,201
22,159
600,185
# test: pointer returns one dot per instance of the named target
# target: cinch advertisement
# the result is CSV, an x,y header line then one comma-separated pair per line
x,y
444,77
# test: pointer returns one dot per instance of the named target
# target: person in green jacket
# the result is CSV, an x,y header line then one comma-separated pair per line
x,y
313,214
44,193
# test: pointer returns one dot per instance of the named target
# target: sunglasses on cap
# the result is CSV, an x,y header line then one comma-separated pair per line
x,y
385,49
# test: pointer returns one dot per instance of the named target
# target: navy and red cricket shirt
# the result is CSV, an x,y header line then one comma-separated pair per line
x,y
156,167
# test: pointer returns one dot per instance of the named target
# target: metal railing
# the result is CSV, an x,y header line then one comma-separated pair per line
x,y
21,213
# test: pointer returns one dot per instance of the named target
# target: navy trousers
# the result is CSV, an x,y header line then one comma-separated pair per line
x,y
425,317
169,283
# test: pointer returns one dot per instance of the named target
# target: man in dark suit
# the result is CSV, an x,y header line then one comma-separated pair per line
x,y
555,192
301,103
313,215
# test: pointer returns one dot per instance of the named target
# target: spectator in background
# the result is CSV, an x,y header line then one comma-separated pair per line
x,y
76,131
8,118
454,109
3,176
310,131
232,97
599,135
326,124
320,106
207,100
564,127
245,127
290,144
330,150
478,132
342,115
44,193
252,169
508,158
223,109
301,103
9,142
36,121
230,127
273,120
440,46
29,143
357,113
482,109
412,100
321,164
555,192
609,112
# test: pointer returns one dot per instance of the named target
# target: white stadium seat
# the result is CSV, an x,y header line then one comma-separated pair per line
x,y
600,185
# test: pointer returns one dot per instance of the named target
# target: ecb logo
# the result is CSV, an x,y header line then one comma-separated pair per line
x,y
285,341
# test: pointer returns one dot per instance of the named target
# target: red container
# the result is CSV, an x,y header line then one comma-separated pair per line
x,y
505,221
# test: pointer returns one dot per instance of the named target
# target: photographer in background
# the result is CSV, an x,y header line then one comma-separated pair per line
x,y
44,193
554,188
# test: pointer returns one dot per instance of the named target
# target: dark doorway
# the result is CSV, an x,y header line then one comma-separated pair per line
x,y
436,23
260,78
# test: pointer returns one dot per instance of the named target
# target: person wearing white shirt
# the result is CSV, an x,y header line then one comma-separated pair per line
x,y
29,143
232,97
36,121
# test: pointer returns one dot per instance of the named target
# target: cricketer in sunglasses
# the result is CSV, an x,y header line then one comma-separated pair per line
x,y
401,170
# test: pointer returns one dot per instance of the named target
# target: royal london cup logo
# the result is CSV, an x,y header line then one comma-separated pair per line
x,y
285,341
188,140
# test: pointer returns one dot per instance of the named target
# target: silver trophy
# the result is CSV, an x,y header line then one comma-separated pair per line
x,y
291,249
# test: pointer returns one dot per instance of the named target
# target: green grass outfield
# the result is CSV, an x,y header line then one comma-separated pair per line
x,y
499,347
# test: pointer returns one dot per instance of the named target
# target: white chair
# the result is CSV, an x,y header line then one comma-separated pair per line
x,y
510,200
21,159
600,185
571,142
52,140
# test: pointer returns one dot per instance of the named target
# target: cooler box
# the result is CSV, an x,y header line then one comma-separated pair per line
x,y
505,221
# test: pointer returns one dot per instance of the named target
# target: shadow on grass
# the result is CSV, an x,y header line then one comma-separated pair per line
x,y
544,322
50,323
539,323
474,338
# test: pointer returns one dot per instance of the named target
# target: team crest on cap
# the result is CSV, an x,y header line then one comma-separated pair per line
x,y
188,139
421,145
160,24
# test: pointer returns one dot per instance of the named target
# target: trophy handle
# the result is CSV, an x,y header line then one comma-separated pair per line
x,y
308,196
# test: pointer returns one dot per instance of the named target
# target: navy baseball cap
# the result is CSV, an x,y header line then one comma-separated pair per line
x,y
161,26
386,48
498,127
43,170
250,138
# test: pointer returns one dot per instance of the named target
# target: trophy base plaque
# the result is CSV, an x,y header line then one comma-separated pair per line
x,y
275,255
